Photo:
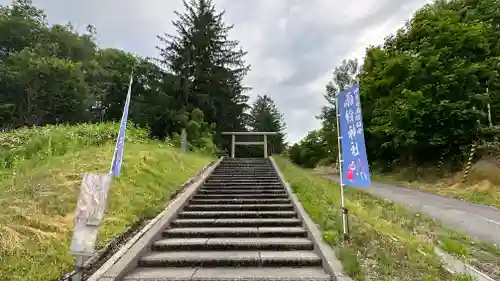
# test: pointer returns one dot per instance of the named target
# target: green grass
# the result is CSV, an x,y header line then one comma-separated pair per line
x,y
37,202
41,143
454,247
388,242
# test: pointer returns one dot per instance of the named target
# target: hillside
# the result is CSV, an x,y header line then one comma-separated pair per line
x,y
42,171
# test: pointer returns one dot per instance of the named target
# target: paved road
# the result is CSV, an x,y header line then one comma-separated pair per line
x,y
482,222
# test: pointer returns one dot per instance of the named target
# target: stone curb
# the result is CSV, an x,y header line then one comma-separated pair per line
x,y
454,266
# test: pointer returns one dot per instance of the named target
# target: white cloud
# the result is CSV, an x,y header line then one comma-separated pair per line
x,y
293,45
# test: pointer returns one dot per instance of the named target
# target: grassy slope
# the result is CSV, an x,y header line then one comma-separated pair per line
x,y
41,143
388,242
38,199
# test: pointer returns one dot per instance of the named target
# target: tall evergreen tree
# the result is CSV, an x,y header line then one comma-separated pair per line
x,y
211,67
344,75
265,117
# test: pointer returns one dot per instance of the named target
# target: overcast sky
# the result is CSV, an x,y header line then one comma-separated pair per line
x,y
293,45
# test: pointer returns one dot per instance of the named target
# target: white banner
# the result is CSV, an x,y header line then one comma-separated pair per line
x,y
90,212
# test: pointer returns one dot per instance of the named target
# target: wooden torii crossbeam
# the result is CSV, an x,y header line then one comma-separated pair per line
x,y
234,143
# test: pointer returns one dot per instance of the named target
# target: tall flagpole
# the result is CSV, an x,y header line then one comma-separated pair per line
x,y
341,161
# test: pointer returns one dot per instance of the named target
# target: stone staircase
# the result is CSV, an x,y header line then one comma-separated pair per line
x,y
240,225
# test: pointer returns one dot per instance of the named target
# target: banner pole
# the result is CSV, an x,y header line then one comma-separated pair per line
x,y
341,161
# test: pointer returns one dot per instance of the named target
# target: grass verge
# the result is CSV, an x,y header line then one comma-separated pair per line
x,y
388,242
37,205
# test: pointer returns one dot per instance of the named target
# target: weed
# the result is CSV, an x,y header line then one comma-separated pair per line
x,y
454,247
41,143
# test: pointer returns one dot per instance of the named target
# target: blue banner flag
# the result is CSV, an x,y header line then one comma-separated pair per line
x,y
120,142
355,171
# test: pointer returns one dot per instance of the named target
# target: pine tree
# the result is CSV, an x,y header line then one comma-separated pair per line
x,y
265,117
211,67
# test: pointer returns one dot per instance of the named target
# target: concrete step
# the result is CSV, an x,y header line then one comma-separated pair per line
x,y
230,258
243,182
248,166
243,178
241,185
240,207
247,160
221,244
237,192
233,187
244,167
221,191
213,232
237,222
242,201
235,179
248,181
233,172
248,163
241,195
252,161
237,214
236,173
244,171
251,177
316,273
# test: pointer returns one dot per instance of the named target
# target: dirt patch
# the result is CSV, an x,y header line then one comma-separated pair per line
x,y
485,169
483,186
326,170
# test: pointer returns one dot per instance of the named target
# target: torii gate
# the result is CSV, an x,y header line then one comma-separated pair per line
x,y
234,142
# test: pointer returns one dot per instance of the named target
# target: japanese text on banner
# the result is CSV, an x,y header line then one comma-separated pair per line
x,y
355,169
